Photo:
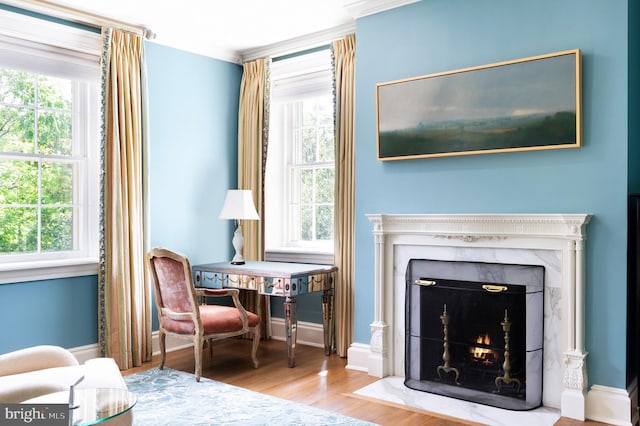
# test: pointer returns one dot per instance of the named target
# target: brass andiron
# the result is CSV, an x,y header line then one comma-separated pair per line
x,y
445,355
506,366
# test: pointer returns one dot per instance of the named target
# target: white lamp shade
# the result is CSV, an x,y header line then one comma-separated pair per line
x,y
239,205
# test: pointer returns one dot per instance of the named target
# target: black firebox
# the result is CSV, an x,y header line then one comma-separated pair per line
x,y
474,331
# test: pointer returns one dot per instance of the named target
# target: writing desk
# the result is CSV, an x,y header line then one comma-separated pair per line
x,y
282,279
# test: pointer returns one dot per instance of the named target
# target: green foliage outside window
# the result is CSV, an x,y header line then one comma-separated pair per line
x,y
315,170
36,164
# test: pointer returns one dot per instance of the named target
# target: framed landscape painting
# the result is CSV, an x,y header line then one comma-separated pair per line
x,y
524,104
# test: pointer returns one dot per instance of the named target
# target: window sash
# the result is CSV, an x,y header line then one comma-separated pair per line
x,y
83,161
58,50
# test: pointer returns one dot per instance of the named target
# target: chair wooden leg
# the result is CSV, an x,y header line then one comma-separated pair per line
x,y
163,348
254,348
197,349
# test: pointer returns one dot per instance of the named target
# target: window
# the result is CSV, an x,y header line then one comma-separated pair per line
x,y
300,174
310,165
49,188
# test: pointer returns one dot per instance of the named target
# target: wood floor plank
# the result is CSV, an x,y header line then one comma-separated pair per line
x,y
317,380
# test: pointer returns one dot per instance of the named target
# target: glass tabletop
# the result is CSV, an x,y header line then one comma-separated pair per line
x,y
93,405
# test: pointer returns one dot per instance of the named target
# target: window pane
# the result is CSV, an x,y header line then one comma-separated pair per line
x,y
306,186
54,133
17,97
16,130
57,183
324,222
57,229
325,185
17,87
327,150
309,145
54,93
306,223
18,182
325,112
18,230
310,114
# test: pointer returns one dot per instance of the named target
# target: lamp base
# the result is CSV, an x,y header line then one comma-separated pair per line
x,y
238,242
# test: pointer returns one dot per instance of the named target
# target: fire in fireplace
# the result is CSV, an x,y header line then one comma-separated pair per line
x,y
474,331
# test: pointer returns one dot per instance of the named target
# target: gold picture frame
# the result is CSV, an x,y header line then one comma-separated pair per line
x,y
525,104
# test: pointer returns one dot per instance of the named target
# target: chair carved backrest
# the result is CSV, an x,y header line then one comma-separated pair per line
x,y
176,298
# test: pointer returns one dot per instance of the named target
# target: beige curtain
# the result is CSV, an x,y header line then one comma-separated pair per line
x,y
124,297
252,148
344,226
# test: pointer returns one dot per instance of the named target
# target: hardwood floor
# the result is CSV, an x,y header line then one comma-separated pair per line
x,y
317,380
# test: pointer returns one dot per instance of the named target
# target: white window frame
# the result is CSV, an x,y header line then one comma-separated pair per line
x,y
292,79
54,49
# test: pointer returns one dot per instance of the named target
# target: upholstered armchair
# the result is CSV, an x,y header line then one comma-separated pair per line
x,y
38,370
181,315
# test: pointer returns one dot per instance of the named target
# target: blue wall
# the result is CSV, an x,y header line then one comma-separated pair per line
x,y
193,105
192,150
441,35
54,312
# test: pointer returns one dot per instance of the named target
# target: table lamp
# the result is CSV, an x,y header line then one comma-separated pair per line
x,y
238,205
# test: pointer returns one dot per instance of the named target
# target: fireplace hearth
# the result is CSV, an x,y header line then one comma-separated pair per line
x,y
467,331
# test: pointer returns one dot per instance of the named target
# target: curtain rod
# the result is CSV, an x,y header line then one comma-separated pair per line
x,y
301,53
79,16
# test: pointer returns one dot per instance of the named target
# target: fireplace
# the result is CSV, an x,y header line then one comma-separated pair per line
x,y
473,331
554,241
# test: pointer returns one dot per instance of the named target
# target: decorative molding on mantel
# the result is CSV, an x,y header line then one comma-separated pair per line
x,y
482,234
470,228
360,8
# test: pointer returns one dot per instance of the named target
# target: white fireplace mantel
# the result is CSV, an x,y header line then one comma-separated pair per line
x,y
554,240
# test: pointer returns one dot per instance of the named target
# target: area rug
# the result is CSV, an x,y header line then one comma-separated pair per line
x,y
172,397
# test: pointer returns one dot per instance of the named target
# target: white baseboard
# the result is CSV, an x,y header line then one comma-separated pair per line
x,y
611,405
84,353
358,357
604,404
309,333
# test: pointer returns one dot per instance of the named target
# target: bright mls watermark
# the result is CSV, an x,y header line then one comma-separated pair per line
x,y
34,414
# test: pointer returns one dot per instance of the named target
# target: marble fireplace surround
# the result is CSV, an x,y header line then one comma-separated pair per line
x,y
555,241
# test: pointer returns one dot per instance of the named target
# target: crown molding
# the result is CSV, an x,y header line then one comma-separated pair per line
x,y
359,8
355,8
215,52
298,44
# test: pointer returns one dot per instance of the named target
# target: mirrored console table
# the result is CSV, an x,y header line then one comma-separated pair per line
x,y
281,279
